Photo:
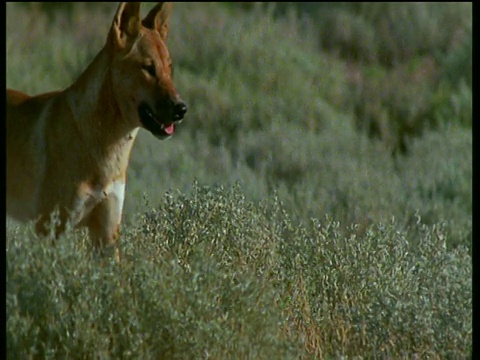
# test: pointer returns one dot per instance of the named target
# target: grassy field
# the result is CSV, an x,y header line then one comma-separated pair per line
x,y
315,203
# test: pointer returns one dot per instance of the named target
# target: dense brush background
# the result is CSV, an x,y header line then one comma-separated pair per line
x,y
315,203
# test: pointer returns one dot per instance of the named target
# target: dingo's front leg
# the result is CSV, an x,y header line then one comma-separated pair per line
x,y
103,223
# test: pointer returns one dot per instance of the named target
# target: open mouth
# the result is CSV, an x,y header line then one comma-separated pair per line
x,y
151,122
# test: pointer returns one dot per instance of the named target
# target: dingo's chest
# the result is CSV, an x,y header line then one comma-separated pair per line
x,y
90,196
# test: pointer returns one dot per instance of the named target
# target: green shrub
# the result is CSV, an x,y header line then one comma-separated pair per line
x,y
250,85
247,272
418,48
437,182
57,54
390,33
213,275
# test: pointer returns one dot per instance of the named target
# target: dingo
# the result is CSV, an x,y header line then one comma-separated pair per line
x,y
69,150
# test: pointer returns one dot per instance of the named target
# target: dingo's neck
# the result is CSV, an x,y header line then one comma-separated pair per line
x,y
98,118
97,112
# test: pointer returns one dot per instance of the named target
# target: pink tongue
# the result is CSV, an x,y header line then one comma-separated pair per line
x,y
169,129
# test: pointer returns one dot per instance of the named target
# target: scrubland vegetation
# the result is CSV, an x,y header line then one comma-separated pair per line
x,y
315,203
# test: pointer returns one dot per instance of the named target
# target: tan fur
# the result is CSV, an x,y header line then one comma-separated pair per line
x,y
69,150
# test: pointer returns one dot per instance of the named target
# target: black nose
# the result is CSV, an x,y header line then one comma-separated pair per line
x,y
179,110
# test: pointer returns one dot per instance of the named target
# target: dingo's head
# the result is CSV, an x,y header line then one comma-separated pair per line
x,y
141,69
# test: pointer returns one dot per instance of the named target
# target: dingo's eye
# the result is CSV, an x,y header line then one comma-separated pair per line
x,y
150,69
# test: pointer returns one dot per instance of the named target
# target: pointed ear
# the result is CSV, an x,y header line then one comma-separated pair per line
x,y
126,23
158,18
